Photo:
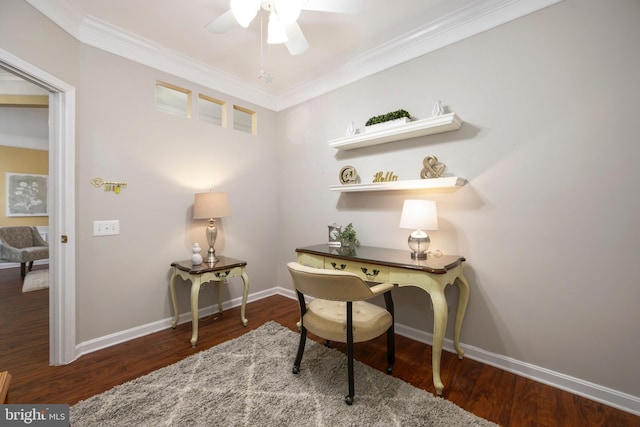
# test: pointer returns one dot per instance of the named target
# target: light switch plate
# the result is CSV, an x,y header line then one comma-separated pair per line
x,y
106,228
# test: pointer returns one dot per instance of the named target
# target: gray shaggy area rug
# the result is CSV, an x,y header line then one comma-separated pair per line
x,y
248,382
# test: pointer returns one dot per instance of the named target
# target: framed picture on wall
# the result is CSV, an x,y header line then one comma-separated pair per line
x,y
26,194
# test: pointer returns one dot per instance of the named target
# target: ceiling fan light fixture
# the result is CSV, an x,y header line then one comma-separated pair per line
x,y
275,31
244,11
288,10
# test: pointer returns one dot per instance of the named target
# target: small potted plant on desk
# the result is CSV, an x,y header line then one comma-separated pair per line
x,y
348,240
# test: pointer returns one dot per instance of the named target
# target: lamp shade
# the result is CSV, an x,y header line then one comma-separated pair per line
x,y
211,205
419,215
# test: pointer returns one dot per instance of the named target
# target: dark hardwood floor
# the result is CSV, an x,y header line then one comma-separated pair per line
x,y
491,393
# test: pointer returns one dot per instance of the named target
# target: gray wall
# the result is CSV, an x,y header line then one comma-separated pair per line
x,y
547,222
122,280
165,160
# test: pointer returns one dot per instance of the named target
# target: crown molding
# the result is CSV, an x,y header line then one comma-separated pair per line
x,y
479,16
104,36
463,23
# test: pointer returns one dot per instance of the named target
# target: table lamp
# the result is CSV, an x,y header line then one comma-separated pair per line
x,y
419,215
210,206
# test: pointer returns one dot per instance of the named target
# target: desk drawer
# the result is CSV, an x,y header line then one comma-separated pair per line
x,y
315,261
368,272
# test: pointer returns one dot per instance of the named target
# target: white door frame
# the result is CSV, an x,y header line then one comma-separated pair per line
x,y
61,201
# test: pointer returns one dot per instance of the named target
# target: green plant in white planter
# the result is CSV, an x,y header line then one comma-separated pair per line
x,y
394,115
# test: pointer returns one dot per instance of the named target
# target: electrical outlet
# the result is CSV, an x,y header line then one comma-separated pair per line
x,y
106,228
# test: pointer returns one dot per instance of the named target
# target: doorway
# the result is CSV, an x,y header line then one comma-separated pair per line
x,y
61,196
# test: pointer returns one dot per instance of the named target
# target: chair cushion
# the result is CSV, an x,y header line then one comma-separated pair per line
x,y
33,254
328,320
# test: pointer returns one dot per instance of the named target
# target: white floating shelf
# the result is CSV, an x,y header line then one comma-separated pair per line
x,y
453,182
430,126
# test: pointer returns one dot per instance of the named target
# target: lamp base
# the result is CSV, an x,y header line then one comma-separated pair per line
x,y
419,242
211,256
212,234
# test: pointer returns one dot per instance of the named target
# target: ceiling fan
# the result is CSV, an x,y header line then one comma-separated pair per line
x,y
283,14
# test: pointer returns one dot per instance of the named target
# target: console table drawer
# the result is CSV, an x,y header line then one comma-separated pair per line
x,y
368,272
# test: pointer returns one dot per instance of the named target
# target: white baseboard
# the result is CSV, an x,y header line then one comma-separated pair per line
x,y
604,395
160,325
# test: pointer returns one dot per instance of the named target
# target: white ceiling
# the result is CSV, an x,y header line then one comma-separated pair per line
x,y
333,37
170,35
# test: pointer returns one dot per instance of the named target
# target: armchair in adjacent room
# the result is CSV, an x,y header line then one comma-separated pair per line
x,y
340,313
22,244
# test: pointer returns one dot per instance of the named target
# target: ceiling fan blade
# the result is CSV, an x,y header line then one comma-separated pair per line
x,y
222,24
297,42
336,6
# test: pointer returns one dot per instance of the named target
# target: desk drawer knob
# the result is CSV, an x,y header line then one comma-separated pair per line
x,y
335,266
371,275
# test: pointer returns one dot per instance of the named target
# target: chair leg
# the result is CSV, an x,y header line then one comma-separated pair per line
x,y
349,398
391,350
30,265
303,340
303,333
23,269
391,343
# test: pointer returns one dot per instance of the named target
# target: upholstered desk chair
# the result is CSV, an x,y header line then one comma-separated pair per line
x,y
340,313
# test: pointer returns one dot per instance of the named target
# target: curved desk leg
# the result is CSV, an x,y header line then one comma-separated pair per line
x,y
174,300
195,292
439,325
245,279
463,300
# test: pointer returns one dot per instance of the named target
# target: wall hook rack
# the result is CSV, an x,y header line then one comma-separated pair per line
x,y
114,186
